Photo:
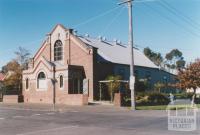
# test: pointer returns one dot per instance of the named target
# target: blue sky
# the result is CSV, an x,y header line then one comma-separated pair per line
x,y
156,25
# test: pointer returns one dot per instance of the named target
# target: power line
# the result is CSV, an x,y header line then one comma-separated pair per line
x,y
95,17
112,21
177,14
141,1
172,21
85,22
166,49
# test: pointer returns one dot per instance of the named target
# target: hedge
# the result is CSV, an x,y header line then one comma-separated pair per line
x,y
152,98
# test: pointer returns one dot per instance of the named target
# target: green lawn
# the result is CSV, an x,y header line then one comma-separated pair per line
x,y
157,107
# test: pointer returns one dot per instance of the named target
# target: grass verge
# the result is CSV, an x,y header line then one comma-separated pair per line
x,y
158,107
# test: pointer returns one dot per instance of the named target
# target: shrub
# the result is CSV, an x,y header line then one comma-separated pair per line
x,y
149,98
158,99
153,98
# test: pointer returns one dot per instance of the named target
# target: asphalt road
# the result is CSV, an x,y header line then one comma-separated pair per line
x,y
92,120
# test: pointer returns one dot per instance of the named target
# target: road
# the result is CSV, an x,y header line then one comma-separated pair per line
x,y
90,120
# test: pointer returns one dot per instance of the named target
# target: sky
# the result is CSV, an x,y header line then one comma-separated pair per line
x,y
162,25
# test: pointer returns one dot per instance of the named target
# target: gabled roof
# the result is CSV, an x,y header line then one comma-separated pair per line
x,y
113,52
62,26
118,53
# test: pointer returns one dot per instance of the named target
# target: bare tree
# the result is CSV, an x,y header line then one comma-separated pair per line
x,y
22,57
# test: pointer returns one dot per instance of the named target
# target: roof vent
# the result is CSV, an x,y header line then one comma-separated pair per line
x,y
87,35
104,38
100,38
119,42
115,41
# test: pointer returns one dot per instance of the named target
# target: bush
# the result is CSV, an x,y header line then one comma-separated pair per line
x,y
158,99
153,98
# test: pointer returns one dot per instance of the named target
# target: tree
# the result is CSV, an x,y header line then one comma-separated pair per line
x,y
22,57
180,63
14,70
13,80
174,59
153,56
189,77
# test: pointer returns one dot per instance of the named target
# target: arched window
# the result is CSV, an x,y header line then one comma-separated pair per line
x,y
27,83
61,81
41,81
58,51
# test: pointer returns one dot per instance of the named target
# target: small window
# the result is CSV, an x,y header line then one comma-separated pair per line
x,y
41,81
27,83
61,81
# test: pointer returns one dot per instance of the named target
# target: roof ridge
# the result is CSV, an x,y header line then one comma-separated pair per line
x,y
61,25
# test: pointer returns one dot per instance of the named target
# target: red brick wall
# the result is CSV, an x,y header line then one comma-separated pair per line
x,y
75,53
44,51
37,96
10,99
82,57
73,99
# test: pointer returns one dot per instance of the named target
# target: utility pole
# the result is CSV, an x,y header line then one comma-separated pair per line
x,y
54,87
131,45
53,80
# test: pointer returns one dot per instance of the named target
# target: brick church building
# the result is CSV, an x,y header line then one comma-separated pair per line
x,y
67,68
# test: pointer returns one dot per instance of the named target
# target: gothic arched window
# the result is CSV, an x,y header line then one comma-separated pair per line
x,y
41,81
58,50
